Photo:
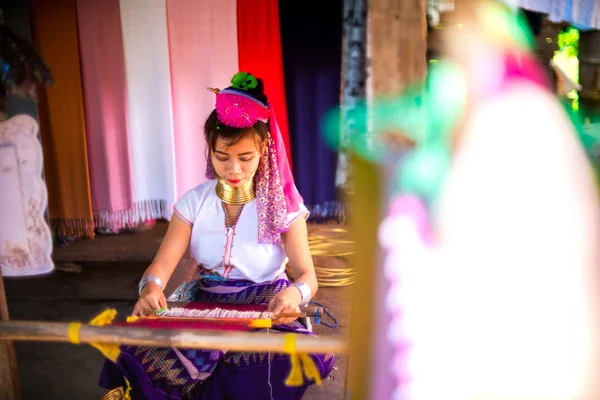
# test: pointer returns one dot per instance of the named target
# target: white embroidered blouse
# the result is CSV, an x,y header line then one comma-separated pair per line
x,y
231,252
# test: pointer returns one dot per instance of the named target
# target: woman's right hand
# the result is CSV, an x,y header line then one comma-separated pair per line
x,y
151,299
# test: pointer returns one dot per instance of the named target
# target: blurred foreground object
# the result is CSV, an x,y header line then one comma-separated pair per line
x,y
397,45
504,304
565,85
488,282
517,260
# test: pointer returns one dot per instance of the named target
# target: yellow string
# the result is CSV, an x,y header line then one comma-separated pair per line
x,y
106,317
300,363
110,351
127,395
262,323
295,377
310,369
73,332
289,343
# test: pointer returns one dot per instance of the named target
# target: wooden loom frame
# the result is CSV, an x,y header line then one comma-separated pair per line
x,y
10,386
182,338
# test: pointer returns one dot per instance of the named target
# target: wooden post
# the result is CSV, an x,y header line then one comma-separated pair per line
x,y
10,388
398,44
398,40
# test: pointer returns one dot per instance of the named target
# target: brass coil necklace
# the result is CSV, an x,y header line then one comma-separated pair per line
x,y
235,195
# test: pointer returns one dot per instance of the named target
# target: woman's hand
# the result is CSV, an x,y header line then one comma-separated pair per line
x,y
172,248
286,301
151,299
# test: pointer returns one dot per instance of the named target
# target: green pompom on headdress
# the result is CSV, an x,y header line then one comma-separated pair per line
x,y
244,81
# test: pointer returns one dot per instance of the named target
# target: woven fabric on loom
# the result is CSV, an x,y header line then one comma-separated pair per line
x,y
223,324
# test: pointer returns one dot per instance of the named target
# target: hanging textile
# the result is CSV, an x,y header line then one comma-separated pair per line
x,y
61,119
103,70
203,52
149,108
312,58
354,56
260,53
584,14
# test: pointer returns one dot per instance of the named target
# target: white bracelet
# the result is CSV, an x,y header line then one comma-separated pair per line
x,y
146,279
304,292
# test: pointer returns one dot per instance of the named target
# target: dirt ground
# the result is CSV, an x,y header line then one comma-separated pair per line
x,y
95,274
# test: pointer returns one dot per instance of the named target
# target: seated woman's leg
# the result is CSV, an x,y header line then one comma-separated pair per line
x,y
153,373
258,376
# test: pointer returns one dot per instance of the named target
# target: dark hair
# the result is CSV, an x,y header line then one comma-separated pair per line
x,y
259,92
213,128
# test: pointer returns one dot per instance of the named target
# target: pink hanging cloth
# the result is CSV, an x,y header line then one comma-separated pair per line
x,y
105,101
203,49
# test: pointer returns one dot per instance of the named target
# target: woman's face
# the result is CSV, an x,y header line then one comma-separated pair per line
x,y
237,164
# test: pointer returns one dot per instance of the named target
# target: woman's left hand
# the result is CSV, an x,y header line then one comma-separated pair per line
x,y
286,301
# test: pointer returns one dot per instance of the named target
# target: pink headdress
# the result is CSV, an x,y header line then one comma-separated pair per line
x,y
240,110
276,192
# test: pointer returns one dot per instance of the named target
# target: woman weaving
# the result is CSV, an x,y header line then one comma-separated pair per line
x,y
240,227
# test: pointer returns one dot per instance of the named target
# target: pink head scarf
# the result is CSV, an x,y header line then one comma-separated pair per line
x,y
276,192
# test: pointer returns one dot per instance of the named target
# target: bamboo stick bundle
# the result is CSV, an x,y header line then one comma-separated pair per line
x,y
179,338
